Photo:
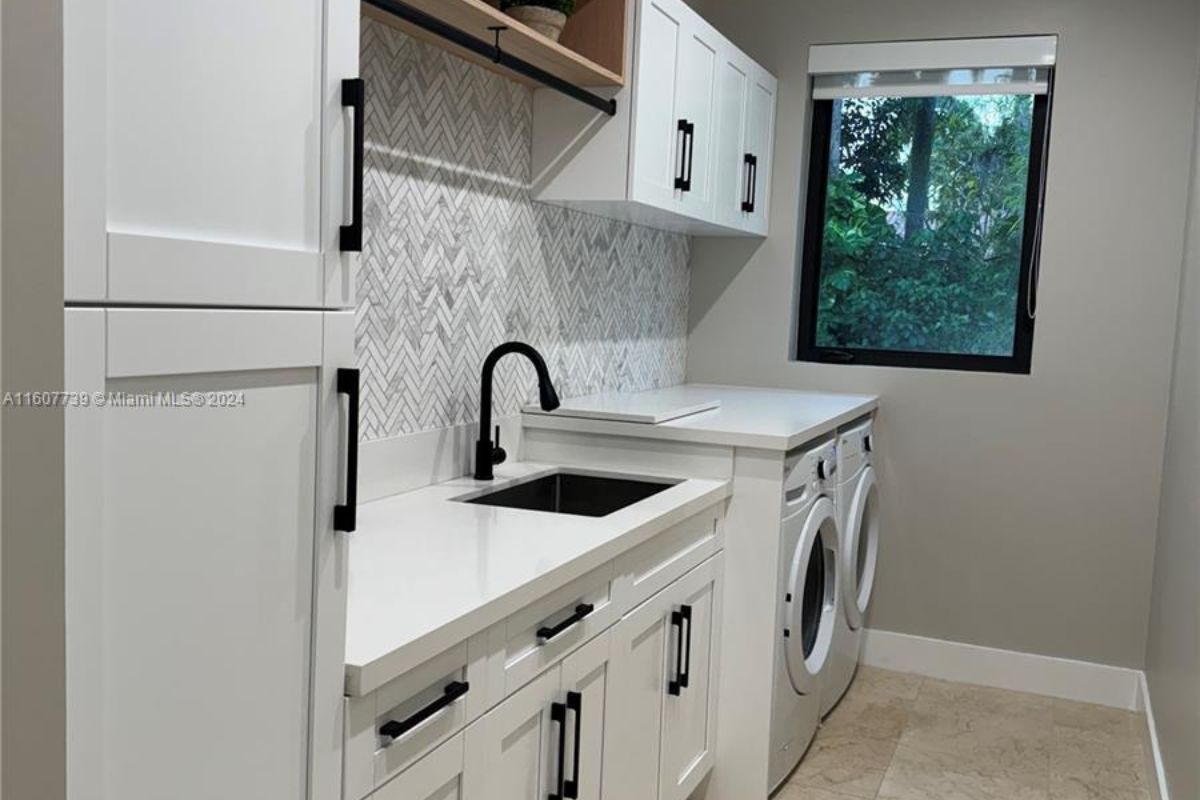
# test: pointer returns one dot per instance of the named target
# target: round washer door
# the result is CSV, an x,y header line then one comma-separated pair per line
x,y
810,602
861,543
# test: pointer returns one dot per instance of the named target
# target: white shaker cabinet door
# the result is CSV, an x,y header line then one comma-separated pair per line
x,y
437,776
208,151
659,145
513,750
689,725
760,147
586,680
196,513
633,723
730,170
696,103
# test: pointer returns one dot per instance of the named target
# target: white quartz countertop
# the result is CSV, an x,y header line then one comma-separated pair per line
x,y
427,572
773,419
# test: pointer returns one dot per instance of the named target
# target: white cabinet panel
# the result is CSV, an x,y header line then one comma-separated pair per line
x,y
588,674
438,776
689,729
222,140
660,727
695,102
760,143
512,751
729,170
191,537
658,144
633,724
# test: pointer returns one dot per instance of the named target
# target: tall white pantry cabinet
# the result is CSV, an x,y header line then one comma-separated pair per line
x,y
210,224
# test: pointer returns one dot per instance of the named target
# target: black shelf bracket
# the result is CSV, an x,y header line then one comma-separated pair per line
x,y
494,53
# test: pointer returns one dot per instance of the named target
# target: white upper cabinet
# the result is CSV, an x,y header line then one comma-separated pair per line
x,y
692,131
208,151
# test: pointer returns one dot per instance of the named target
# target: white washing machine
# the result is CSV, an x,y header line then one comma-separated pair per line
x,y
857,498
807,608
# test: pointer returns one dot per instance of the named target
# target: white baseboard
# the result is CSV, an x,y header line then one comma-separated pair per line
x,y
1160,790
1117,687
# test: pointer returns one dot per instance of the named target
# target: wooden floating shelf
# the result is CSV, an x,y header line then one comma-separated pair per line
x,y
591,53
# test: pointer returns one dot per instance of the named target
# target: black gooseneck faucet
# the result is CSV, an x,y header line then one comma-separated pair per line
x,y
487,454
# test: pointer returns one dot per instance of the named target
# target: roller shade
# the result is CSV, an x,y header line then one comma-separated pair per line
x,y
1016,65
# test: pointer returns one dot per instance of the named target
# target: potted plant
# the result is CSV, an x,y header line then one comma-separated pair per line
x,y
547,17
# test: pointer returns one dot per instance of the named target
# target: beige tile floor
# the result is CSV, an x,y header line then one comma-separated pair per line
x,y
903,737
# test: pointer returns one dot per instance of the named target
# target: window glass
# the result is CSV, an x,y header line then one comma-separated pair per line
x,y
919,242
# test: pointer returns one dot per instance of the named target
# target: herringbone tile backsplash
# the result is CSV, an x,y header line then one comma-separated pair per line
x,y
457,258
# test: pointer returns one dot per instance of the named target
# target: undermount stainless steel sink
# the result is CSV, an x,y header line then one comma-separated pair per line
x,y
578,493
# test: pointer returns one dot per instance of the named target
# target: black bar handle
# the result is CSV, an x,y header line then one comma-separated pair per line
x,y
691,137
354,96
676,683
575,704
558,714
686,672
546,633
687,152
345,515
751,183
453,691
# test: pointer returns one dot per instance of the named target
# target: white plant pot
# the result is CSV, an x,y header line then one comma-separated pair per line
x,y
545,21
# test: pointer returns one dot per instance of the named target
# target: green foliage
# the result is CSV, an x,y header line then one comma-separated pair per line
x,y
565,6
950,287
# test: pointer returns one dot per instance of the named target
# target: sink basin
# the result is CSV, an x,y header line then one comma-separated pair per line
x,y
573,493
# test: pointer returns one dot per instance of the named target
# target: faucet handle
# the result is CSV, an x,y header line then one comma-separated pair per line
x,y
499,456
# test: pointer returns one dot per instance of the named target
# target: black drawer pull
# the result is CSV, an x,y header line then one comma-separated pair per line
x,y
687,152
558,715
546,633
683,650
451,693
354,97
575,704
345,515
751,183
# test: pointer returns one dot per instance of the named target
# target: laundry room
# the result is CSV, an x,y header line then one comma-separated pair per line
x,y
599,400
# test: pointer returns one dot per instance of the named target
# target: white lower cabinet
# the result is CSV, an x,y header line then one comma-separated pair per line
x,y
660,728
438,776
627,715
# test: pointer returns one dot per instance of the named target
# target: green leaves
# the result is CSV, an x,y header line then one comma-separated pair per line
x,y
950,287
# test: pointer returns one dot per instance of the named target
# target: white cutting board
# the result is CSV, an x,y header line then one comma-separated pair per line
x,y
648,408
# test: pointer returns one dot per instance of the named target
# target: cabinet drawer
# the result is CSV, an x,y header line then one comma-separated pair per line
x,y
390,729
437,776
544,631
653,565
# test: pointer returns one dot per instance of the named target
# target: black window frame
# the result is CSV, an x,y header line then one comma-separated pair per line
x,y
1021,360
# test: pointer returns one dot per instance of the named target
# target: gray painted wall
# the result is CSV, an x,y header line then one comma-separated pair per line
x,y
32,676
1173,649
1020,512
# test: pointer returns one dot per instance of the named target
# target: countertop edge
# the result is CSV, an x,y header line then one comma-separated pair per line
x,y
362,679
668,432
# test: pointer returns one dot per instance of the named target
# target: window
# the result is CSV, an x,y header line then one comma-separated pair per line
x,y
923,219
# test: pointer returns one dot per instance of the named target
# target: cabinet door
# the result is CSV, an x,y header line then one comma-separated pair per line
x,y
689,725
197,516
513,750
206,151
730,171
760,144
637,688
586,676
657,142
438,776
696,103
